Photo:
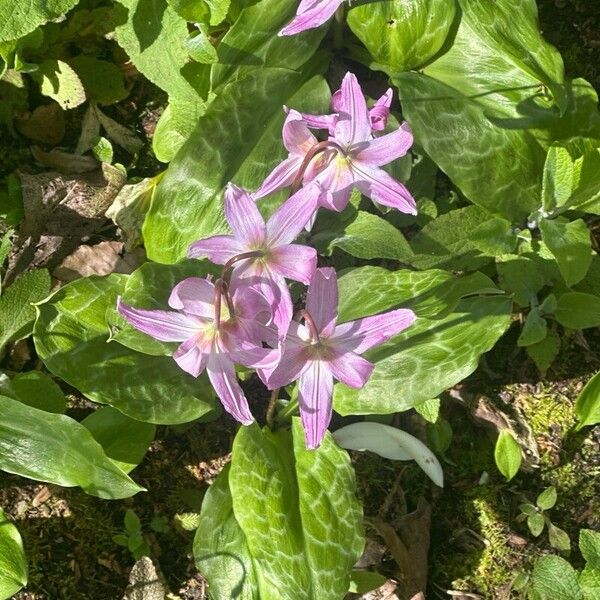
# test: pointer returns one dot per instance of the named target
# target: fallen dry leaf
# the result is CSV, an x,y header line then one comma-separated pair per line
x,y
64,162
46,124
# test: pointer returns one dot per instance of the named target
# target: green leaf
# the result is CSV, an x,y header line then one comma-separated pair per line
x,y
528,509
589,581
439,435
558,538
188,202
402,35
16,310
56,449
103,150
571,244
174,127
132,522
102,80
429,410
543,353
553,578
13,563
586,194
589,546
536,524
430,357
587,405
70,337
576,310
522,276
362,582
557,184
60,82
38,390
547,499
507,454
124,440
17,19
200,47
224,559
534,330
300,506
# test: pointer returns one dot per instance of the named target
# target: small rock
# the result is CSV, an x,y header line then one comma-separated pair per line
x,y
144,582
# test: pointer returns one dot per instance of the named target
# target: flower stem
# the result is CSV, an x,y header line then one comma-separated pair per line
x,y
272,406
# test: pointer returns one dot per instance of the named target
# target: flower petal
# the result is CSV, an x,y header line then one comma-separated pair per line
x,y
221,373
163,325
297,137
383,150
320,12
351,369
195,296
336,183
322,300
314,397
289,219
360,335
293,361
243,216
294,262
280,177
353,124
383,188
218,248
191,357
381,111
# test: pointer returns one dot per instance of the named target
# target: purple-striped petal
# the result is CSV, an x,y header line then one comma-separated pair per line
x,y
294,359
383,188
316,14
297,137
194,296
360,335
351,369
322,300
294,261
383,150
353,124
221,373
244,217
218,248
336,183
381,111
314,397
163,325
192,357
280,177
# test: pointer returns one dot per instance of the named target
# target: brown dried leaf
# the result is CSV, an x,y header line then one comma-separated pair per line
x,y
46,124
64,162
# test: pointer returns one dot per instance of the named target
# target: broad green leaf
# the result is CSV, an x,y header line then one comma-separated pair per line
x,y
553,578
589,546
507,454
528,509
60,82
71,338
543,353
365,581
17,19
536,524
558,538
571,245
174,127
587,405
103,81
300,506
586,193
557,184
124,440
195,11
16,310
36,389
252,42
466,238
370,290
56,449
534,330
403,34
576,310
13,562
103,150
224,559
188,202
428,358
589,581
547,499
522,276
200,47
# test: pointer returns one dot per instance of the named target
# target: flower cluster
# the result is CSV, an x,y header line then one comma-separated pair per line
x,y
247,315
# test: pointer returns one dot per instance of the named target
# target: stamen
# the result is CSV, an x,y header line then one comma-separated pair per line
x,y
313,331
217,302
316,149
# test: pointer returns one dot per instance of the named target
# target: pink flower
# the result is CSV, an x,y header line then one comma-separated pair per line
x,y
216,331
319,351
263,251
311,14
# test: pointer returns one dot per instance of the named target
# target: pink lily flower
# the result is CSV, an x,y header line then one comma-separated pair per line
x,y
351,157
319,351
216,331
263,251
311,14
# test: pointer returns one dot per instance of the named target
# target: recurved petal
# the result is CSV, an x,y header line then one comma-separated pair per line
x,y
195,296
314,397
190,357
381,111
243,216
353,124
322,300
297,137
383,188
218,248
163,325
221,373
335,182
351,369
294,261
292,363
280,177
360,335
316,14
383,150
